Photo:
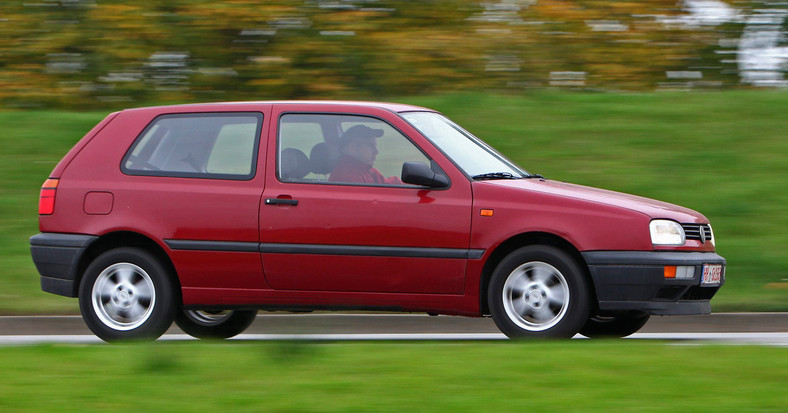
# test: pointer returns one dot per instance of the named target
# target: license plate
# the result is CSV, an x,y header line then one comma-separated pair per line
x,y
712,274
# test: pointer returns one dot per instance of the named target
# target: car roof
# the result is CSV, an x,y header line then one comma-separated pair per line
x,y
393,107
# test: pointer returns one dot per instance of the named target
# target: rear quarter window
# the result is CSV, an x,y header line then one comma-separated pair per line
x,y
205,145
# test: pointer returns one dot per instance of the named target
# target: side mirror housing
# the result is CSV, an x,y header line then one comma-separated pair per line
x,y
419,173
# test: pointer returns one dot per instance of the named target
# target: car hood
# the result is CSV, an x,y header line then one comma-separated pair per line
x,y
647,206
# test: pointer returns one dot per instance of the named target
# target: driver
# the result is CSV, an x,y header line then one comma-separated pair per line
x,y
359,150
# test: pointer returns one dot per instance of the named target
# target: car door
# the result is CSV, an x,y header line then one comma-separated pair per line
x,y
362,230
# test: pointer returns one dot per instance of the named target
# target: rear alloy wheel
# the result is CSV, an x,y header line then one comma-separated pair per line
x,y
127,294
617,326
214,324
538,292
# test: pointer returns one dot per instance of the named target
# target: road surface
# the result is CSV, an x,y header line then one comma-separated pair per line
x,y
745,328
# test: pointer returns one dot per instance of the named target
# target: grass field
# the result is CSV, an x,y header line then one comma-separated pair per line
x,y
723,154
394,377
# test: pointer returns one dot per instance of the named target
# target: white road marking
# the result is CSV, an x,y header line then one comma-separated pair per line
x,y
766,339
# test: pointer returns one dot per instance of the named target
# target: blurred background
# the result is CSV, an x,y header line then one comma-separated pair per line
x,y
92,53
679,100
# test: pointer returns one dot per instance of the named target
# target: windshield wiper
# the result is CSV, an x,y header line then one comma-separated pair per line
x,y
495,175
534,176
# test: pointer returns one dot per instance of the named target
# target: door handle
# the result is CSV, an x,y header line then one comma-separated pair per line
x,y
281,201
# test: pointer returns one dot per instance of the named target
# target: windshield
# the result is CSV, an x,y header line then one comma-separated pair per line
x,y
477,159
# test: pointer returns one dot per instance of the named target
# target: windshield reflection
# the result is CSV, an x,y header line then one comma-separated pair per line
x,y
477,159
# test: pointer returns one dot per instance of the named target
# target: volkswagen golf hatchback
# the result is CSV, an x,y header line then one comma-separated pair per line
x,y
204,214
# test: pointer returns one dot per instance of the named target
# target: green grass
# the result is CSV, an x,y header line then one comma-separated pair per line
x,y
394,377
723,154
32,143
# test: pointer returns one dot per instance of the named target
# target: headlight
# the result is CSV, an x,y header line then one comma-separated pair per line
x,y
666,232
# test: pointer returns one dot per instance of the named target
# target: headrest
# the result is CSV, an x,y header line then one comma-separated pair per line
x,y
323,157
295,164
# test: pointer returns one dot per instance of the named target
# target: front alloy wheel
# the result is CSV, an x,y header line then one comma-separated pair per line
x,y
535,296
538,292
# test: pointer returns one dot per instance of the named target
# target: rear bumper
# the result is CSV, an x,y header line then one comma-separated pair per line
x,y
635,281
56,257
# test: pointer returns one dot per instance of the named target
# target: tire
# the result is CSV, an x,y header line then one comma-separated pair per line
x,y
617,326
127,294
539,291
214,325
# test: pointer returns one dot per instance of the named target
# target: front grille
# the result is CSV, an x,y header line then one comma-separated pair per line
x,y
693,231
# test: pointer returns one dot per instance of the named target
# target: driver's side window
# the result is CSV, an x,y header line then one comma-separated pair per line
x,y
342,149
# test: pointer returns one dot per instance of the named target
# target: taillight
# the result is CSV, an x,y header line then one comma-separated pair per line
x,y
46,202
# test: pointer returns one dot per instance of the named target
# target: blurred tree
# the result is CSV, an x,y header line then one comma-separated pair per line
x,y
84,53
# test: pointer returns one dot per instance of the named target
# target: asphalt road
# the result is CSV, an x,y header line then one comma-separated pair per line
x,y
751,328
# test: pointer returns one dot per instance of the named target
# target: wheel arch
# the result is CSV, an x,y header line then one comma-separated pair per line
x,y
119,239
524,240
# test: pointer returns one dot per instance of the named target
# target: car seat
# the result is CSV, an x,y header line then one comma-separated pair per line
x,y
294,164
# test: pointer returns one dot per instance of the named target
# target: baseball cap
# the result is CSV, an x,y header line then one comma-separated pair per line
x,y
360,132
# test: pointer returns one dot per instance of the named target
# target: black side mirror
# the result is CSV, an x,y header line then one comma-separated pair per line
x,y
418,173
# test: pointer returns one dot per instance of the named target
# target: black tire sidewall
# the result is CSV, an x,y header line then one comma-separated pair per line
x,y
164,306
579,297
614,327
233,325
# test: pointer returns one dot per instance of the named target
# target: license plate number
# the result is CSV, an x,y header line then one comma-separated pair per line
x,y
712,274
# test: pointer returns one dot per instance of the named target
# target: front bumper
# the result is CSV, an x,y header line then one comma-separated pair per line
x,y
635,281
56,257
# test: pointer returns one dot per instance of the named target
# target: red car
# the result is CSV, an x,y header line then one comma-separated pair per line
x,y
204,214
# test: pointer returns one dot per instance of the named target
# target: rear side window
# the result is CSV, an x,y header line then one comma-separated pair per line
x,y
205,145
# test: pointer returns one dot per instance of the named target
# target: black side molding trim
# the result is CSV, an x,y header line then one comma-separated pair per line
x,y
369,251
229,246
